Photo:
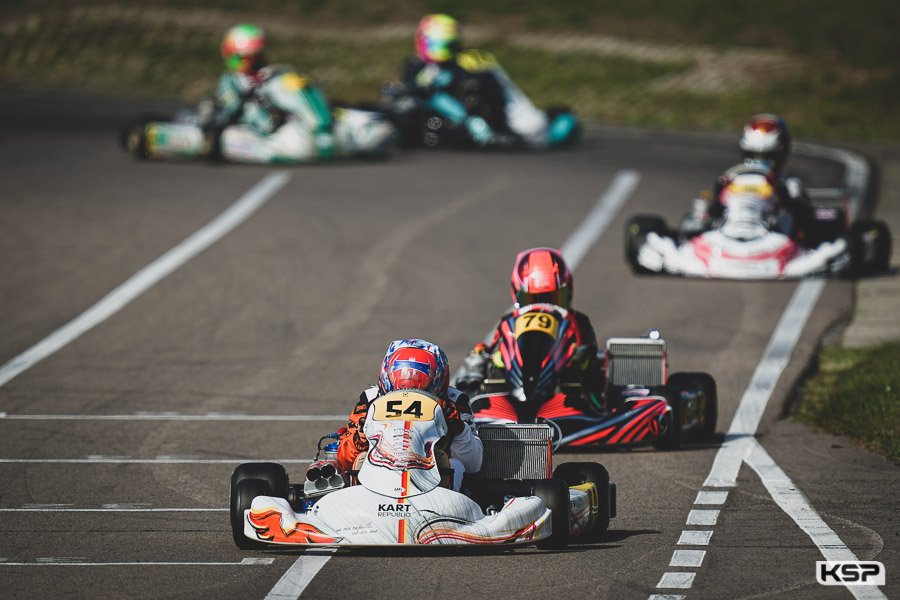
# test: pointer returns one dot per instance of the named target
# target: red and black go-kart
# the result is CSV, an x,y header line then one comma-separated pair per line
x,y
526,381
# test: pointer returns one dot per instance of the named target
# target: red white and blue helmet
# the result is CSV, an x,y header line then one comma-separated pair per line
x,y
414,365
766,141
437,38
541,275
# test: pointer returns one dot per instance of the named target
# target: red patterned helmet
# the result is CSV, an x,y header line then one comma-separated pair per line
x,y
414,364
766,140
541,275
243,47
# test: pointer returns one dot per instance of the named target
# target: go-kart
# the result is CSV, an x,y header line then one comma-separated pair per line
x,y
399,496
418,125
301,129
745,246
527,380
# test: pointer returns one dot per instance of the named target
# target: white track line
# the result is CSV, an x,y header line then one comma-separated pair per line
x,y
46,509
574,249
64,562
740,445
596,222
794,503
172,417
298,576
160,460
738,440
147,277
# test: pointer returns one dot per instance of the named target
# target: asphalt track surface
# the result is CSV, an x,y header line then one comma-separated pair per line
x,y
290,313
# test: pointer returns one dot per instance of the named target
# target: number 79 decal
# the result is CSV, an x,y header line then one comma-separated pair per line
x,y
537,321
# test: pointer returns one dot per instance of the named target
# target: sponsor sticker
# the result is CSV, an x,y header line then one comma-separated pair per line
x,y
850,572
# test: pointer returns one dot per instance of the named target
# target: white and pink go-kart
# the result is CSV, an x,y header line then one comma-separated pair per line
x,y
745,245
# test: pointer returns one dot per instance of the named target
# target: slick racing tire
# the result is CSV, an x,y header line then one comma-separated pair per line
x,y
870,247
132,138
273,474
578,473
636,231
705,383
242,496
555,495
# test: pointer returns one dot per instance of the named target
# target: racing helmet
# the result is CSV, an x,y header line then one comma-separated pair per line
x,y
243,47
766,140
414,364
437,38
541,275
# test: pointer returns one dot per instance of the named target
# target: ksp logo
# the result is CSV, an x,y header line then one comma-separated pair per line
x,y
849,572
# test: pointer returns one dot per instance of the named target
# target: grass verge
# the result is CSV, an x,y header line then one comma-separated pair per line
x,y
856,393
831,73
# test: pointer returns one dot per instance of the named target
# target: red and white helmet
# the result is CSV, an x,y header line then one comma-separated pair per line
x,y
766,141
541,275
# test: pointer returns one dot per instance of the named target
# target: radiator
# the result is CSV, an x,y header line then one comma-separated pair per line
x,y
515,451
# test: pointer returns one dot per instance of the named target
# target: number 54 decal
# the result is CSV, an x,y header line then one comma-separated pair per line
x,y
404,406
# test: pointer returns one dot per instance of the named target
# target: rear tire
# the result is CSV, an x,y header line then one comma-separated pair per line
x,y
242,496
577,473
636,233
870,247
705,383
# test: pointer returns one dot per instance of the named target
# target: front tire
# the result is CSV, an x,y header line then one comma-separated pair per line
x,y
242,496
636,233
273,474
555,495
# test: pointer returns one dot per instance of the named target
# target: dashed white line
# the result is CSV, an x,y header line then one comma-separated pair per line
x,y
702,517
694,538
687,558
676,580
149,276
711,497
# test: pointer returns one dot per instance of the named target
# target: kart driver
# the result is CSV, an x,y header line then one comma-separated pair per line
x,y
472,93
262,114
420,365
765,145
540,275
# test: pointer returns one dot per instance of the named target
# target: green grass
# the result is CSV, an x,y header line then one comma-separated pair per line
x,y
856,392
843,89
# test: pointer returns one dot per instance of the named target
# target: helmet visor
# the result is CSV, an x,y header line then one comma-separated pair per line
x,y
560,297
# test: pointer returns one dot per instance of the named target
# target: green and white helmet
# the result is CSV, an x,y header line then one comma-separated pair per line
x,y
243,47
